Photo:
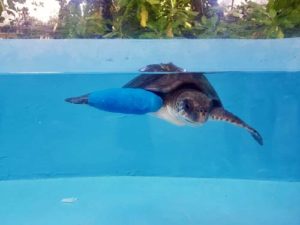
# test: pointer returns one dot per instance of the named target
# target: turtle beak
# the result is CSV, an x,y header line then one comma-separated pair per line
x,y
194,118
202,116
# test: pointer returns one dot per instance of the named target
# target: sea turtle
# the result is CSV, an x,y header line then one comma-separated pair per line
x,y
188,98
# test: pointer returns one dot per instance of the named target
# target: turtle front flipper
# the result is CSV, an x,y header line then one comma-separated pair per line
x,y
223,115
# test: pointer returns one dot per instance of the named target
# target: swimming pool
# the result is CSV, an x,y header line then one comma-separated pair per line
x,y
113,169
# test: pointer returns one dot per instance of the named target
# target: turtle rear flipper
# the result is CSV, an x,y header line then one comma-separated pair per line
x,y
223,115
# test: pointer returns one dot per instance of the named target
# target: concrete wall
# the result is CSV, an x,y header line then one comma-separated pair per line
x,y
129,55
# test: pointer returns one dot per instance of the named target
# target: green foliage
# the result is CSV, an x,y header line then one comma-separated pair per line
x,y
254,21
174,19
287,15
180,18
125,21
80,20
152,18
249,20
1,7
72,24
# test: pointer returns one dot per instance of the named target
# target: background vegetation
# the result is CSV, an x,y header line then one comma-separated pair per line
x,y
161,19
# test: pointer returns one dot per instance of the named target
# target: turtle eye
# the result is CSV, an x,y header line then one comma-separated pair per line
x,y
187,105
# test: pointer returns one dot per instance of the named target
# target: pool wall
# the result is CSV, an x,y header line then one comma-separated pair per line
x,y
41,136
23,56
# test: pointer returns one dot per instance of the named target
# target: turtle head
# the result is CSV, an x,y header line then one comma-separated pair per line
x,y
193,107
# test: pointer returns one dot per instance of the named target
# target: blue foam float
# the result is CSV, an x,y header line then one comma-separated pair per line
x,y
121,100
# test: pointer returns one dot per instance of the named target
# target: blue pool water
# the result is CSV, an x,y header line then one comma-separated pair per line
x,y
68,164
76,140
44,137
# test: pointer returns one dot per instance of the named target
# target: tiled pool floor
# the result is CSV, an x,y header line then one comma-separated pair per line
x,y
148,201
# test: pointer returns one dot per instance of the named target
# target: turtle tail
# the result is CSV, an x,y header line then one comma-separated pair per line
x,y
223,115
78,100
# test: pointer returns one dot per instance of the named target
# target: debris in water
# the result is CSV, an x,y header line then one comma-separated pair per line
x,y
69,200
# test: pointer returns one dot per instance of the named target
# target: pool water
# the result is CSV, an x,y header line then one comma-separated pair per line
x,y
130,169
149,200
